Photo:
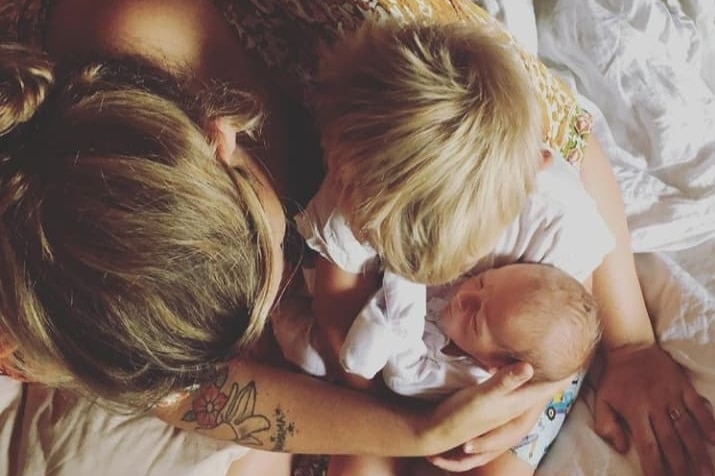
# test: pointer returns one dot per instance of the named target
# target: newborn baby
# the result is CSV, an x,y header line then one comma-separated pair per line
x,y
431,341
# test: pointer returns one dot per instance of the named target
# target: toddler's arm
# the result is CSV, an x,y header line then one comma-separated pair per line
x,y
391,324
338,298
345,276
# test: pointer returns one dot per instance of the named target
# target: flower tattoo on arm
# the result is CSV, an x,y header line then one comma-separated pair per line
x,y
232,407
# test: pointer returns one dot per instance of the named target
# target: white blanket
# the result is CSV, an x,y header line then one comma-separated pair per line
x,y
648,68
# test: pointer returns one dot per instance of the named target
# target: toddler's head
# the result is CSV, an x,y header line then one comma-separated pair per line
x,y
525,312
432,139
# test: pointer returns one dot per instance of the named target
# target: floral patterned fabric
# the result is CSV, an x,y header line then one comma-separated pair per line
x,y
287,36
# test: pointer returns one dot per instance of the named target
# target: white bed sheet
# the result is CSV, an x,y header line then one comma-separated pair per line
x,y
648,69
45,433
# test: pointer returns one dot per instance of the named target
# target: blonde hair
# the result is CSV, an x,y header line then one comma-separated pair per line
x,y
432,135
560,321
132,259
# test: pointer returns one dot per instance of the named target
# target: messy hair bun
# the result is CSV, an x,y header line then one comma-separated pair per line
x,y
132,259
27,77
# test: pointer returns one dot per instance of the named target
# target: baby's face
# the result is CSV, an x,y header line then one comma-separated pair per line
x,y
478,319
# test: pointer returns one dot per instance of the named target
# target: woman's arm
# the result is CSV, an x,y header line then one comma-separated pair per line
x,y
272,409
641,385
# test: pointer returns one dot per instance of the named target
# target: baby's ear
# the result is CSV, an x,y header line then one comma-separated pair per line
x,y
223,136
546,159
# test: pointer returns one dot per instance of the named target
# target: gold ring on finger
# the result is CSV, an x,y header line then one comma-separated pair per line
x,y
674,414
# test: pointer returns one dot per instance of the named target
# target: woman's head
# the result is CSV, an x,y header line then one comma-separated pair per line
x,y
131,257
433,134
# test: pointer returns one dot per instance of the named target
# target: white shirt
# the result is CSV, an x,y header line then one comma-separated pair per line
x,y
559,226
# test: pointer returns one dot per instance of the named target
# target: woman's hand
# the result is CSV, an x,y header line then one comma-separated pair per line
x,y
272,409
507,407
485,448
645,398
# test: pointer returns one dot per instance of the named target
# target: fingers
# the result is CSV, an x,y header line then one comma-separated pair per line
x,y
509,378
495,409
525,405
508,386
672,438
671,448
687,432
480,408
457,461
702,412
609,427
506,436
644,391
647,447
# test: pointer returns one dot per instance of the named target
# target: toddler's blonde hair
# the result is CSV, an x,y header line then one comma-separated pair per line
x,y
132,259
432,136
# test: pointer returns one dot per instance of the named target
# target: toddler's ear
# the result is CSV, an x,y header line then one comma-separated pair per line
x,y
546,159
223,136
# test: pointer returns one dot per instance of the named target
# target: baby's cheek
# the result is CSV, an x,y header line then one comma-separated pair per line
x,y
454,329
447,323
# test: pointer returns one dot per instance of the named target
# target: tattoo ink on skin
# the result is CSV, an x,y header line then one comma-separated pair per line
x,y
283,429
212,409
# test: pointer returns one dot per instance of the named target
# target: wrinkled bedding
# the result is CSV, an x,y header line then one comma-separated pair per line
x,y
646,69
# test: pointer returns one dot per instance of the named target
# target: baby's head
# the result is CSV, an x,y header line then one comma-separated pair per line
x,y
432,139
525,312
132,258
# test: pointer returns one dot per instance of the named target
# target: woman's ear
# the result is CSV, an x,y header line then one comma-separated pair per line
x,y
546,159
223,135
